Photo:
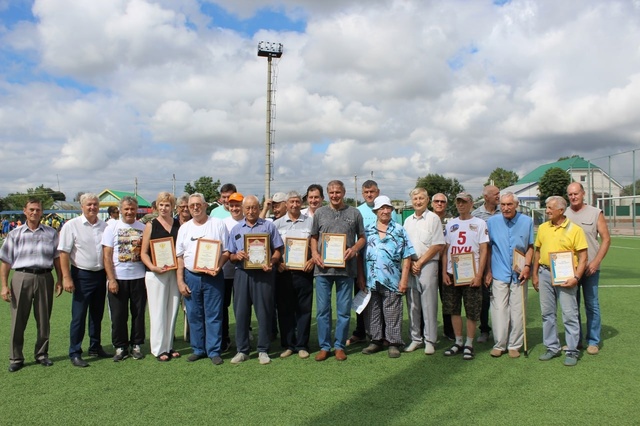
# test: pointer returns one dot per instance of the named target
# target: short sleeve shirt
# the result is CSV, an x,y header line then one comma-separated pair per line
x,y
505,236
465,236
384,257
126,241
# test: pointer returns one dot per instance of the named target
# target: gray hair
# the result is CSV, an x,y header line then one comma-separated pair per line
x,y
198,195
418,190
558,201
184,198
128,199
87,196
293,194
250,198
513,197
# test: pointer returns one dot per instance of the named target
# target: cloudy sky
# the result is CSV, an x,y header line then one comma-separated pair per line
x,y
96,94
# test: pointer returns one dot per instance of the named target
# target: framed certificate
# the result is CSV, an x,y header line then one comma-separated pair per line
x,y
464,268
207,255
561,266
257,247
163,253
333,248
518,261
295,253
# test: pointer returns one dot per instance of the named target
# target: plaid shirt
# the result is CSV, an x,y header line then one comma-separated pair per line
x,y
26,248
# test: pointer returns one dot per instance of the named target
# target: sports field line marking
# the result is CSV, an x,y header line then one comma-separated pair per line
x,y
628,248
620,286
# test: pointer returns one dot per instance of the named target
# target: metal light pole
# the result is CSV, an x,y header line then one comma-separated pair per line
x,y
270,51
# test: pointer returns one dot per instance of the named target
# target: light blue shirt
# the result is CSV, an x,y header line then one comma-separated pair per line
x,y
505,236
383,258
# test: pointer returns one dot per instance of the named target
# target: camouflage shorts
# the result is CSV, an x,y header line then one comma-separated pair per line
x,y
453,296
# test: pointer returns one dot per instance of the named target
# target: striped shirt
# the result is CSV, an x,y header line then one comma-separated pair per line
x,y
26,248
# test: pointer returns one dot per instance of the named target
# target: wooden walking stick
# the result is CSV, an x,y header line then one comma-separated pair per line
x,y
524,318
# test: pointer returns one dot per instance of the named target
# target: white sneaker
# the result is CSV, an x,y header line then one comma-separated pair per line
x,y
429,349
240,357
303,354
264,358
286,353
483,337
413,346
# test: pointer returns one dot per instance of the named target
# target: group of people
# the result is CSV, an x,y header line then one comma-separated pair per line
x,y
481,259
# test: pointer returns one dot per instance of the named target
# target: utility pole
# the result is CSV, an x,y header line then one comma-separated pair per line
x,y
355,188
135,191
174,184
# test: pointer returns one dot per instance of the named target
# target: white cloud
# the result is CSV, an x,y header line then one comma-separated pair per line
x,y
112,91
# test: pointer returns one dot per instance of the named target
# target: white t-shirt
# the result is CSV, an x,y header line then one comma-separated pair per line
x,y
424,231
465,236
190,233
126,241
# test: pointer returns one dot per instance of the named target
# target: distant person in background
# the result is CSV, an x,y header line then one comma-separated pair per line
x,y
150,216
491,195
592,222
277,204
315,197
163,296
222,210
182,209
83,275
31,251
5,227
113,212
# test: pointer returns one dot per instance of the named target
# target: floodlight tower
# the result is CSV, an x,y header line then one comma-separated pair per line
x,y
270,51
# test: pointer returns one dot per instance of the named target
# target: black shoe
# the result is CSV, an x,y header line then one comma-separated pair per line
x,y
195,357
16,366
100,353
225,346
45,362
216,360
121,353
77,361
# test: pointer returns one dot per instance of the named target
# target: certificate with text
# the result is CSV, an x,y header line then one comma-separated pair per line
x,y
207,255
464,268
518,261
295,253
561,266
163,253
256,246
333,249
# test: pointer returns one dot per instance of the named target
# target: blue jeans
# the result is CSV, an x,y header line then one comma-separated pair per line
x,y
589,285
204,311
549,297
344,286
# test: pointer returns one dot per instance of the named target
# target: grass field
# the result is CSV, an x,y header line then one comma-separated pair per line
x,y
414,389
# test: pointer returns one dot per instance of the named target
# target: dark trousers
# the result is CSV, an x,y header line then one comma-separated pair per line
x,y
253,287
486,304
131,296
228,288
29,290
89,295
360,330
447,327
294,293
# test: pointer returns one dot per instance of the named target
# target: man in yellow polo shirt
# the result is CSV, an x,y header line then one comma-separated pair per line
x,y
556,235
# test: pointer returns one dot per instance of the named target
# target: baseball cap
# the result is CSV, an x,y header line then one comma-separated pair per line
x,y
380,201
464,196
279,197
236,196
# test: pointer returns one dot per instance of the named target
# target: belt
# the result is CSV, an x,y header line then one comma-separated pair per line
x,y
545,267
35,271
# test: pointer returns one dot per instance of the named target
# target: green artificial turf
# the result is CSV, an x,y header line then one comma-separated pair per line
x,y
414,389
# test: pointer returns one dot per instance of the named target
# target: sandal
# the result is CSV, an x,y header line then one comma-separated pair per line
x,y
468,353
453,350
164,357
174,354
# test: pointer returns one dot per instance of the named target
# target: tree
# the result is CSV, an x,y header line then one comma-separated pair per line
x,y
435,183
553,182
628,190
502,178
566,158
206,186
17,200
